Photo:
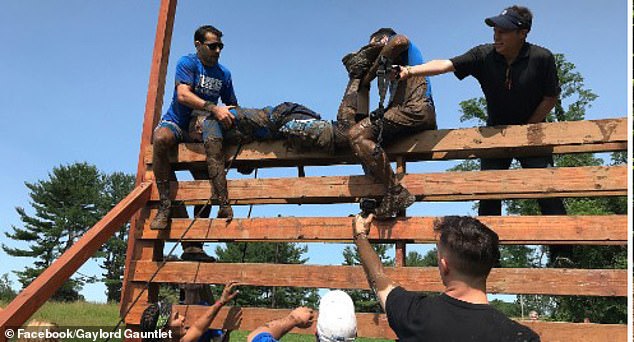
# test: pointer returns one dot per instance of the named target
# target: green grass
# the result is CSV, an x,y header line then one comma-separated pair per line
x,y
84,314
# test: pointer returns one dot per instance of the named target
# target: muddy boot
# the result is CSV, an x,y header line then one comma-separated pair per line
x,y
396,199
193,251
164,216
217,177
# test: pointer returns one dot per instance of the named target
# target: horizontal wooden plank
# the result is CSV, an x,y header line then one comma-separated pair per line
x,y
376,325
502,141
537,230
446,186
578,282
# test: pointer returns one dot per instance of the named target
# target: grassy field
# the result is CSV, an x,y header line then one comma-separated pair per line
x,y
83,314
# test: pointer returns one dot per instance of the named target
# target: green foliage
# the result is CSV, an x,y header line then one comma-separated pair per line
x,y
273,253
509,309
6,291
116,186
66,205
366,301
415,259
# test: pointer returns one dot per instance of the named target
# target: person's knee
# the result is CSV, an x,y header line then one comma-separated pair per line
x,y
163,138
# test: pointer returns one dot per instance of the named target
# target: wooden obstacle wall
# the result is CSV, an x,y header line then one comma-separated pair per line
x,y
146,247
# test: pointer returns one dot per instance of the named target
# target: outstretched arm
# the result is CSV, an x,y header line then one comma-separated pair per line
x,y
431,68
202,323
379,282
301,317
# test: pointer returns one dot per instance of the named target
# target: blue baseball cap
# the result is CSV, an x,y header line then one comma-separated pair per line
x,y
509,19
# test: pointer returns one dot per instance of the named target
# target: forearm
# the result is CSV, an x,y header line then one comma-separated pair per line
x,y
202,323
373,268
186,97
542,110
435,67
276,328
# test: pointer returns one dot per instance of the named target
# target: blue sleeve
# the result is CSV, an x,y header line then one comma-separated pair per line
x,y
185,71
227,94
264,337
414,56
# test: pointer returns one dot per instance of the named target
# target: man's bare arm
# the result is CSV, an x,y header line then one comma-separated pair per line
x,y
431,68
379,282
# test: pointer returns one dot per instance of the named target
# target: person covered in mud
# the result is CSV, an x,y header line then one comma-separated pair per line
x,y
409,110
200,82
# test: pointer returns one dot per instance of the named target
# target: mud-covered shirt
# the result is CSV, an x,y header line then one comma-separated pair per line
x,y
208,83
417,317
513,91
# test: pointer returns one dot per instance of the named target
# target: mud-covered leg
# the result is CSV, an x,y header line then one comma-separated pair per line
x,y
376,163
164,140
217,177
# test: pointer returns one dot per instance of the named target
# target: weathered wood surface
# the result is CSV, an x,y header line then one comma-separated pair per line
x,y
447,186
153,105
537,230
502,141
578,282
44,286
376,325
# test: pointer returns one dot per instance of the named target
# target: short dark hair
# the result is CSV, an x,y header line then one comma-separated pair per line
x,y
525,14
200,33
472,246
384,31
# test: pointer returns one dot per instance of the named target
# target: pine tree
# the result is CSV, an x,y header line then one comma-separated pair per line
x,y
65,205
272,253
116,186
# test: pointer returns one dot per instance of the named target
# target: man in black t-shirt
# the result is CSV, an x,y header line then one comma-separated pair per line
x,y
520,84
467,250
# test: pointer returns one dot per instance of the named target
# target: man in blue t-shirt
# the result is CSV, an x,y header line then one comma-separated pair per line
x,y
200,81
410,109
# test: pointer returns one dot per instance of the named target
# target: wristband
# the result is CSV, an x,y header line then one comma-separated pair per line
x,y
208,106
361,234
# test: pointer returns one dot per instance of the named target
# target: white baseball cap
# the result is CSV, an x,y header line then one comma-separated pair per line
x,y
337,321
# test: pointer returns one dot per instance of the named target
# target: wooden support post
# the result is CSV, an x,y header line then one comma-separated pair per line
x,y
153,104
401,252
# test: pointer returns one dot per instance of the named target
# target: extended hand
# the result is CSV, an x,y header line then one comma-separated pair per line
x,y
361,225
224,116
303,317
228,292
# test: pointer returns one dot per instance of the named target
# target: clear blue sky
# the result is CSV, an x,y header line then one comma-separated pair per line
x,y
75,75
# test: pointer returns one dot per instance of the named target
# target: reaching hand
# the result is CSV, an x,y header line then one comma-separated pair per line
x,y
228,292
361,225
303,317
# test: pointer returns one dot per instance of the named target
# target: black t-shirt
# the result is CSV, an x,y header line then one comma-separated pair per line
x,y
512,92
417,317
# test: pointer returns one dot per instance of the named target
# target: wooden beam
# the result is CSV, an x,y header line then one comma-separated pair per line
x,y
44,286
537,230
447,186
153,105
502,141
376,326
502,280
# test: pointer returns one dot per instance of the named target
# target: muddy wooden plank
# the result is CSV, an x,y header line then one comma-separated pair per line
x,y
579,282
538,230
447,186
503,141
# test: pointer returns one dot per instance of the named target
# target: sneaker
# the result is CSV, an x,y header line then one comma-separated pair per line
x,y
226,212
196,254
397,199
163,218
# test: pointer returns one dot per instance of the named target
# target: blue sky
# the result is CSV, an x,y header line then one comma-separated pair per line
x,y
75,76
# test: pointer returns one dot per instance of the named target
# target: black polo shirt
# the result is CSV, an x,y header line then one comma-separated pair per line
x,y
514,91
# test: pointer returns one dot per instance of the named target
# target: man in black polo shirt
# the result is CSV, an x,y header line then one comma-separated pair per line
x,y
520,84
467,250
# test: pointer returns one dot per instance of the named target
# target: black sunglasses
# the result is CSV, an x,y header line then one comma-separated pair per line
x,y
214,46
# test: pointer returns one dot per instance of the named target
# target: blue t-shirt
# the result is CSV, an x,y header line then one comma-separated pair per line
x,y
208,83
415,57
264,337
